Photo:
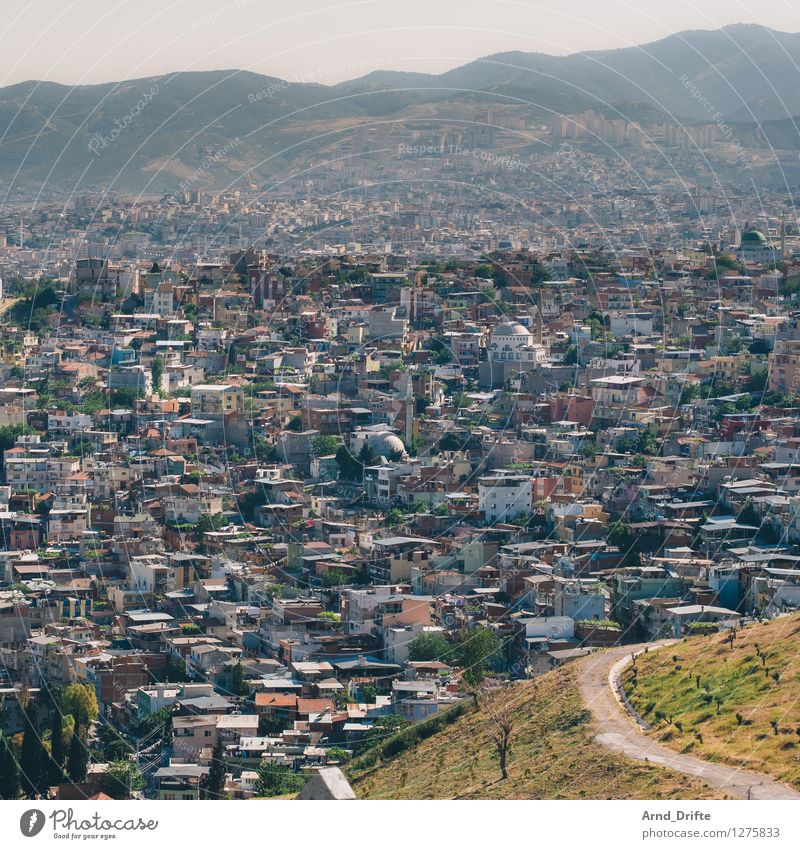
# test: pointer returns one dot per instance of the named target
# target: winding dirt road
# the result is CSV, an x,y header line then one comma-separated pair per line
x,y
619,732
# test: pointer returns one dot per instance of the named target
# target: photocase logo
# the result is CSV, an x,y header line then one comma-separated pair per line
x,y
31,822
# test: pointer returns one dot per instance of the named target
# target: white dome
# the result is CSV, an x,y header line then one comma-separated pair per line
x,y
511,328
386,443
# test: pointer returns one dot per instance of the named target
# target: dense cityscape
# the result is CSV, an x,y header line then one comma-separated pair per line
x,y
415,443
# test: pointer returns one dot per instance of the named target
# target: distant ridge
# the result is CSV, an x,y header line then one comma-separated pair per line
x,y
742,73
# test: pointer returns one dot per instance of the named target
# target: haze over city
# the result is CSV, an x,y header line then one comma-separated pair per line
x,y
90,41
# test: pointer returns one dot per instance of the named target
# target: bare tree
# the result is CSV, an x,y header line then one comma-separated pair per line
x,y
500,735
473,690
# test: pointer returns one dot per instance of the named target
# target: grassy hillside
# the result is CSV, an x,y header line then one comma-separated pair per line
x,y
552,755
736,703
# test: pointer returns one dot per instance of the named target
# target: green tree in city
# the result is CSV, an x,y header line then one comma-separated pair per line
x,y
337,753
58,751
477,649
10,433
113,745
334,578
212,784
429,647
539,274
620,535
124,397
9,770
209,522
385,726
276,780
33,757
441,353
80,700
122,779
352,468
78,758
238,684
324,445
157,372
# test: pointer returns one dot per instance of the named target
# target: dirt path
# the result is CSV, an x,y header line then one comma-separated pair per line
x,y
619,732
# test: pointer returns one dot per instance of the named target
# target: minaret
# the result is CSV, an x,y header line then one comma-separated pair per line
x,y
783,236
409,410
539,316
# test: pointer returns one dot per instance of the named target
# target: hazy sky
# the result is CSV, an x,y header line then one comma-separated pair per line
x,y
88,41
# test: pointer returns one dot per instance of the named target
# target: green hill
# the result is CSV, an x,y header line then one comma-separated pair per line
x,y
736,702
552,754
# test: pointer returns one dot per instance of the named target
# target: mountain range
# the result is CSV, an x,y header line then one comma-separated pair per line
x,y
193,129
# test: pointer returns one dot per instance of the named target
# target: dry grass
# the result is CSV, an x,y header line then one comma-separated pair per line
x,y
553,756
745,711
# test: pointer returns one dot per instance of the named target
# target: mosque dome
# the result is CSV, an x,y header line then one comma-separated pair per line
x,y
386,443
511,328
753,237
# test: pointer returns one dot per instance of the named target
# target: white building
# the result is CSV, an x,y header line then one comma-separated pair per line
x,y
631,323
502,497
511,342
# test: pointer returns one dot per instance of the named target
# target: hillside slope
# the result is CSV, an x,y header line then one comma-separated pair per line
x,y
552,755
198,129
737,704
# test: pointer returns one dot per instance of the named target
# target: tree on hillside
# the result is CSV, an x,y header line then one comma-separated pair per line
x,y
500,731
210,522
